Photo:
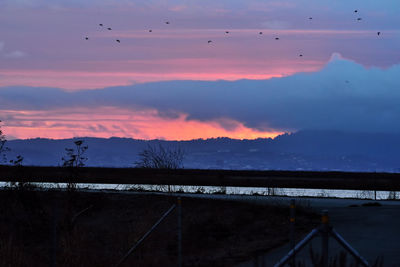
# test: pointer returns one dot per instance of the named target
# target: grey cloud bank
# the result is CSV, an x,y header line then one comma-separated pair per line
x,y
342,96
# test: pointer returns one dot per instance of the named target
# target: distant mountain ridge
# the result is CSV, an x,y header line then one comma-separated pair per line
x,y
303,150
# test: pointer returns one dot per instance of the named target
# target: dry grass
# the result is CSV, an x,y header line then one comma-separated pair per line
x,y
96,229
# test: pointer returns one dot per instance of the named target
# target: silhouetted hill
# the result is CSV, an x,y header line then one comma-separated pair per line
x,y
304,150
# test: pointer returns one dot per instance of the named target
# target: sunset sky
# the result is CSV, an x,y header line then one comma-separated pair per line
x,y
172,83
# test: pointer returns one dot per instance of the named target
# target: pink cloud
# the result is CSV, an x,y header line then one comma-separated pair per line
x,y
59,55
74,80
109,121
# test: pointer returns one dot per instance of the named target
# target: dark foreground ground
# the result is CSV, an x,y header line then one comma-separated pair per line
x,y
97,229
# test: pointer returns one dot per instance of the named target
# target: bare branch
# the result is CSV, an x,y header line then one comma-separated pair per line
x,y
160,158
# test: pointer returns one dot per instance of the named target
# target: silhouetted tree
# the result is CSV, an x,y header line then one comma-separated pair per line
x,y
17,161
3,148
73,159
75,156
159,157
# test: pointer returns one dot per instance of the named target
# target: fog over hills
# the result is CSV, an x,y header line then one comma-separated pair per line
x,y
303,150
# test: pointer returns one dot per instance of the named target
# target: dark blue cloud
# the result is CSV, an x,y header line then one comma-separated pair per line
x,y
343,96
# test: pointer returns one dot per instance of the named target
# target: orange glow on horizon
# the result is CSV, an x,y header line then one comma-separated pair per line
x,y
108,122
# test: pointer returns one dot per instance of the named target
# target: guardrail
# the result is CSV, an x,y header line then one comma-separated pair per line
x,y
279,179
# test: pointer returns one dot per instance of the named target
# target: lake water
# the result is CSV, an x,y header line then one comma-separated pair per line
x,y
295,192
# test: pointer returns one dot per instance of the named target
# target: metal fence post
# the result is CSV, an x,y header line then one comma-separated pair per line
x,y
353,252
292,230
298,247
179,232
324,230
325,237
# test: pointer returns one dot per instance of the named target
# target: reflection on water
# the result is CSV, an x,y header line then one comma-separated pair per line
x,y
360,194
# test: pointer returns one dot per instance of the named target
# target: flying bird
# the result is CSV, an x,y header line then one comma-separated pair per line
x,y
150,30
167,22
359,19
378,33
118,40
260,33
101,24
109,29
310,18
209,41
300,55
227,32
86,38
276,38
355,11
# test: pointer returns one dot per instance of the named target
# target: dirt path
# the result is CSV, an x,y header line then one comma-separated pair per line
x,y
372,230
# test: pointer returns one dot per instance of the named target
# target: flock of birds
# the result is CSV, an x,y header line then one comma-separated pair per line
x,y
226,32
